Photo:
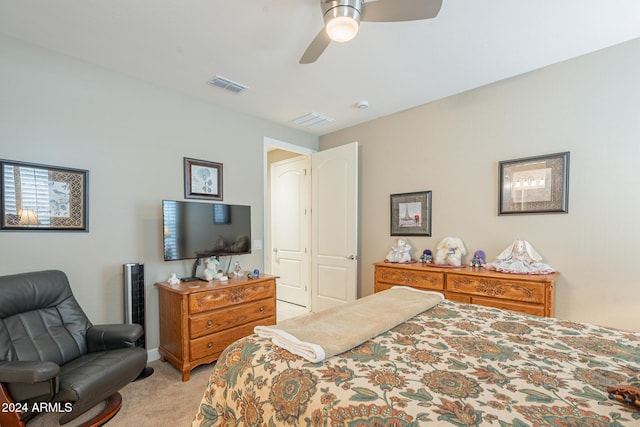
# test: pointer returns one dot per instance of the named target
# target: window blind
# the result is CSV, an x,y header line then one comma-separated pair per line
x,y
33,191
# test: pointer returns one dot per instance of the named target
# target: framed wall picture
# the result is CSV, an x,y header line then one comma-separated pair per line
x,y
411,214
202,179
38,197
534,185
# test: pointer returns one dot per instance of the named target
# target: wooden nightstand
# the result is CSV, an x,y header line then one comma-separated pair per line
x,y
200,319
527,293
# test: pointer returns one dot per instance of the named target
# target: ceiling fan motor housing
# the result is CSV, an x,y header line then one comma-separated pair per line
x,y
337,8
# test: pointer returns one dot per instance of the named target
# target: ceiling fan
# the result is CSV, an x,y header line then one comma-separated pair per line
x,y
342,19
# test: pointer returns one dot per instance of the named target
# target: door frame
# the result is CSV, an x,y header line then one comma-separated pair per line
x,y
282,145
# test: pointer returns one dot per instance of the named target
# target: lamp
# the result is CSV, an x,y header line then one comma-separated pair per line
x,y
28,217
343,20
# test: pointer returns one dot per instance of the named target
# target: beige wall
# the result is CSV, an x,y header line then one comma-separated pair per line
x,y
132,138
589,106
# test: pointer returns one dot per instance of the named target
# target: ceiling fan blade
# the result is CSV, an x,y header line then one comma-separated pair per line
x,y
315,49
400,10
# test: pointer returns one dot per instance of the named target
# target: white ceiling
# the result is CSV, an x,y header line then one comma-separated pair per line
x,y
182,44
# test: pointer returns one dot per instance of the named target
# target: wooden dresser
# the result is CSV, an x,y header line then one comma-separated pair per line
x,y
200,319
533,294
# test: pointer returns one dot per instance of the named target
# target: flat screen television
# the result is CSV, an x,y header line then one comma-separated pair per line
x,y
194,230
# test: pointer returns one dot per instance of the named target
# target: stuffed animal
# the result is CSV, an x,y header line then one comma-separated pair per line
x,y
400,252
479,259
520,258
211,269
426,256
450,251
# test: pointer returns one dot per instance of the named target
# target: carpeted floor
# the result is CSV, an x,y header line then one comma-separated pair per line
x,y
156,401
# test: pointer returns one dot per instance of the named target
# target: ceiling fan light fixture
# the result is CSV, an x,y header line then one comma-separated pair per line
x,y
342,28
341,19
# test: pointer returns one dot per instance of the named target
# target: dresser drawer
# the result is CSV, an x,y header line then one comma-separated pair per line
x,y
210,346
219,298
517,290
535,309
206,323
414,278
523,307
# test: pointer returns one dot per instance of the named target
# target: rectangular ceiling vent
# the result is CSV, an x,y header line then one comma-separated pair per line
x,y
312,120
227,84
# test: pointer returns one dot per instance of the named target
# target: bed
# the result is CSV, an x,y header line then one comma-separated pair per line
x,y
452,365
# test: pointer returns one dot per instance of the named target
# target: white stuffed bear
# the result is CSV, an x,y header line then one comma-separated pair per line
x,y
211,271
400,252
450,251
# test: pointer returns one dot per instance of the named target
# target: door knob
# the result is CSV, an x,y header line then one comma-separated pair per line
x,y
351,257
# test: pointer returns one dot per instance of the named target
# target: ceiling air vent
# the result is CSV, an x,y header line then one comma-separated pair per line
x,y
312,120
227,84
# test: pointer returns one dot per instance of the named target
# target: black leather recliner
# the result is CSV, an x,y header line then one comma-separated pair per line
x,y
50,351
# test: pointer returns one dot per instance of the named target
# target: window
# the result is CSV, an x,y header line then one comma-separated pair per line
x,y
33,188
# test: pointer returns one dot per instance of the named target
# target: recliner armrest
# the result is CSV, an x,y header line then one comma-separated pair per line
x,y
28,372
109,337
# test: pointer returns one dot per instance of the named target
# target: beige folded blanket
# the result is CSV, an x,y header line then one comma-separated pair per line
x,y
316,336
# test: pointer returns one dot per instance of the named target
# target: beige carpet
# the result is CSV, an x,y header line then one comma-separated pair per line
x,y
156,401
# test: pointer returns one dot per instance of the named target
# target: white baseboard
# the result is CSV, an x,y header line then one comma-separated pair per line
x,y
153,354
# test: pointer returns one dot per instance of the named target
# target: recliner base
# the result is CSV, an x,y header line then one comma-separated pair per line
x,y
111,408
15,419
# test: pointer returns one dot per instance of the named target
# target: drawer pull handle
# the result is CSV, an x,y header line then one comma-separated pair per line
x,y
261,309
209,324
209,345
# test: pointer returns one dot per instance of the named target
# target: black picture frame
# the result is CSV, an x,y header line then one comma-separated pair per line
x,y
534,185
202,179
411,214
37,197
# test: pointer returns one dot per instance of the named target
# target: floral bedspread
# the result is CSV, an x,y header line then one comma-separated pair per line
x,y
453,365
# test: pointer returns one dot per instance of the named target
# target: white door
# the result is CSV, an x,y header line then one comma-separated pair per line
x,y
334,258
290,228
